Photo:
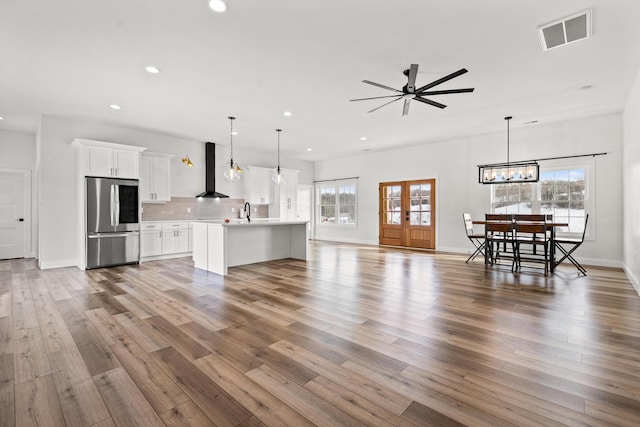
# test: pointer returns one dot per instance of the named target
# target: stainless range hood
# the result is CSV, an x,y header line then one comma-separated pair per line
x,y
210,172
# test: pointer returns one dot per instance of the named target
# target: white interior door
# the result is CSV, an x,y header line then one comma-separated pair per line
x,y
12,215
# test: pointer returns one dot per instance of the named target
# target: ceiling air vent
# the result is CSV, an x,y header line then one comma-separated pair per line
x,y
565,30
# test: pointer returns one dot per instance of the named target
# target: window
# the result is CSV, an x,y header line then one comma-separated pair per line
x,y
337,202
562,191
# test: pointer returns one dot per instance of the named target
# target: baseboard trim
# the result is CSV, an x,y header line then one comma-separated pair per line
x,y
167,256
632,278
58,264
355,241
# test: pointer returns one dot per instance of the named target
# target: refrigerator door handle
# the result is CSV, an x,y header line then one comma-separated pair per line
x,y
111,205
108,235
117,199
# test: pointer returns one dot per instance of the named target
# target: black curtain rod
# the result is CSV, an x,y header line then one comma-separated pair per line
x,y
337,179
550,158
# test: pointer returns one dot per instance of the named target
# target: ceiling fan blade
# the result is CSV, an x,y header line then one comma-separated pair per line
x,y
382,86
430,102
445,92
405,110
387,103
442,80
411,84
375,97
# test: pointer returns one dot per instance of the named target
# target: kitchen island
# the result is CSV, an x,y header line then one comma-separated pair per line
x,y
218,245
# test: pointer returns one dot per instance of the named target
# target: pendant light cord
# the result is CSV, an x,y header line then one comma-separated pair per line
x,y
278,130
231,135
508,118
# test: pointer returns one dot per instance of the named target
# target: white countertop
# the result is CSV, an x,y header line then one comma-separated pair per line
x,y
254,222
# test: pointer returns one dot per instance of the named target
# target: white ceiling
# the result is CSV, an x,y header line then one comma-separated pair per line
x,y
76,57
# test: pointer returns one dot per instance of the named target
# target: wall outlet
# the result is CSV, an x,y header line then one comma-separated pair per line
x,y
255,209
188,210
233,210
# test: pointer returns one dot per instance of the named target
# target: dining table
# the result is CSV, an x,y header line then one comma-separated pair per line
x,y
552,235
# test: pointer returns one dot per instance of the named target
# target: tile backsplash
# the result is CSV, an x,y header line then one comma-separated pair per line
x,y
185,208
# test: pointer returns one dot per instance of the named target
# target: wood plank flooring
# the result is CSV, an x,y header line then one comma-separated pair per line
x,y
358,335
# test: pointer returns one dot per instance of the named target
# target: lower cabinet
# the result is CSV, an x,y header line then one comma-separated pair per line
x,y
175,237
164,238
150,239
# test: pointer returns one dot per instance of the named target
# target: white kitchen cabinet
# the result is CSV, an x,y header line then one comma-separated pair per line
x,y
285,195
161,238
155,177
258,185
175,237
106,159
150,239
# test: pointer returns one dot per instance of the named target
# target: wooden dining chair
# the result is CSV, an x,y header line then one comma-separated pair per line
x,y
572,244
499,242
531,217
528,237
498,217
478,239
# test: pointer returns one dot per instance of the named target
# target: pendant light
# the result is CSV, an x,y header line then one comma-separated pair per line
x,y
232,174
277,177
510,172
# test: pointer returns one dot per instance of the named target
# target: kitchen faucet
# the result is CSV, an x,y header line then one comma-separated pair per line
x,y
247,209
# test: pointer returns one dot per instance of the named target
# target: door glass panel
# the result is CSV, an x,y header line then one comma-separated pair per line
x,y
426,218
391,204
415,218
420,204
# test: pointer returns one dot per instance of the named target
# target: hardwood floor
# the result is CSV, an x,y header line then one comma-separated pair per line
x,y
359,335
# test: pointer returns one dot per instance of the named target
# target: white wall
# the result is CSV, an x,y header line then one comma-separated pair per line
x,y
631,171
57,234
18,151
253,158
453,164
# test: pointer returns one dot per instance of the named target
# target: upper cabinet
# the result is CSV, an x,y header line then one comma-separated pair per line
x,y
155,177
258,185
284,196
106,159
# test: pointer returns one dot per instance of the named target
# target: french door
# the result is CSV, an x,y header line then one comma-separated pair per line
x,y
408,214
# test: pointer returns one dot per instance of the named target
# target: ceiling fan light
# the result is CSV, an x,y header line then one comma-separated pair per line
x,y
219,6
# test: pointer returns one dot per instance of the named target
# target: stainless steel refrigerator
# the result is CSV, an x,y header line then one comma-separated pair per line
x,y
113,222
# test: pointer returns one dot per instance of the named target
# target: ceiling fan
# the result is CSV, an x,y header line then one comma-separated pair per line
x,y
410,92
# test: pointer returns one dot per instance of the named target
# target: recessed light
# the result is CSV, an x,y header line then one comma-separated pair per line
x,y
234,132
288,113
309,149
115,107
218,5
1,118
152,70
363,138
